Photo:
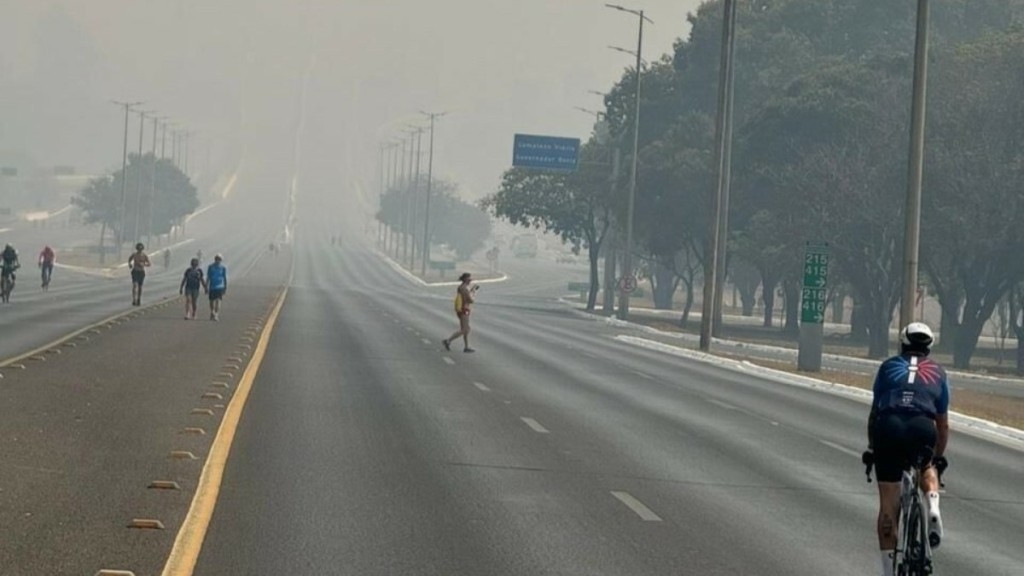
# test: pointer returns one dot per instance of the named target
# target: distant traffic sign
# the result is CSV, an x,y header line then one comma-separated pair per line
x,y
814,295
550,152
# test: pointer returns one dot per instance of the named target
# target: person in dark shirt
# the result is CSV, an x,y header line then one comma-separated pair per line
x,y
191,282
909,419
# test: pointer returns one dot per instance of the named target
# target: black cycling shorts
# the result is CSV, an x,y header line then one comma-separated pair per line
x,y
138,277
899,439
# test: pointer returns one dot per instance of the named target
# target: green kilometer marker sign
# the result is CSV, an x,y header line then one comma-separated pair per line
x,y
814,295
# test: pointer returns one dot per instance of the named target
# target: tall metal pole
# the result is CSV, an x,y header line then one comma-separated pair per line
x,y
406,216
723,151
119,237
163,139
430,183
627,265
187,137
152,188
414,202
138,180
912,231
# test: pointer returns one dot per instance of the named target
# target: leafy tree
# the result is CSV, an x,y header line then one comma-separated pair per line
x,y
174,197
577,206
453,222
972,236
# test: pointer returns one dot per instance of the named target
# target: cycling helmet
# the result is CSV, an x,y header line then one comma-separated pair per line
x,y
917,335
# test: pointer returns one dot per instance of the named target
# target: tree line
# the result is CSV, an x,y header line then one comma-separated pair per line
x,y
820,146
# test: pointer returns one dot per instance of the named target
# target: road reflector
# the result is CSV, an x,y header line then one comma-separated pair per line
x,y
164,485
17,366
225,375
193,430
213,395
53,351
146,524
183,455
39,358
220,385
218,406
106,572
204,411
70,345
231,366
235,359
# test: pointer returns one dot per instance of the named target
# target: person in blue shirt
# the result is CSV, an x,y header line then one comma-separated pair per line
x,y
217,285
909,418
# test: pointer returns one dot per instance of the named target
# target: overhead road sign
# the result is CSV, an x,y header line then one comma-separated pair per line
x,y
545,152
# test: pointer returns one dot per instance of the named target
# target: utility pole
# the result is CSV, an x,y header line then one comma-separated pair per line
x,y
138,180
430,183
152,188
627,264
714,263
912,212
413,200
124,181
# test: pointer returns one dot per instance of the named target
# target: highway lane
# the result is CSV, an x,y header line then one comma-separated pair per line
x,y
241,228
365,449
545,281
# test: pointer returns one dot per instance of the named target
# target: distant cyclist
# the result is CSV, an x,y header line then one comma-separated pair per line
x,y
8,264
909,417
138,262
46,261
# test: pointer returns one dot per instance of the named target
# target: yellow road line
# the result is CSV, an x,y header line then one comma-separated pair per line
x,y
189,541
80,331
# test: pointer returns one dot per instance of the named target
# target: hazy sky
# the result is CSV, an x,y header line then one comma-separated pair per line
x,y
233,70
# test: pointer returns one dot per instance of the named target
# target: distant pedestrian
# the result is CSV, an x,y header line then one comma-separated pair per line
x,y
167,258
217,285
138,262
463,302
191,282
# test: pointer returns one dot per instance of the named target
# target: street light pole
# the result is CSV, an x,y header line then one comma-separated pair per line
x,y
430,184
124,180
627,267
152,188
912,226
714,262
138,180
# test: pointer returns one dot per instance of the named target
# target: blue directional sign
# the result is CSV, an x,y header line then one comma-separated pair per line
x,y
550,152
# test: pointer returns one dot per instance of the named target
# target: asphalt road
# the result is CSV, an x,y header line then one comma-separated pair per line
x,y
555,449
240,227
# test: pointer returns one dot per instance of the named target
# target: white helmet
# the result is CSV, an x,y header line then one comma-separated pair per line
x,y
917,334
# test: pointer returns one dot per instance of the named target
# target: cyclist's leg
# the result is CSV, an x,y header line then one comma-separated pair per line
x,y
922,430
890,461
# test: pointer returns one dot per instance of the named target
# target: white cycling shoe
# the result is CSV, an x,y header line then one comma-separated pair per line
x,y
934,528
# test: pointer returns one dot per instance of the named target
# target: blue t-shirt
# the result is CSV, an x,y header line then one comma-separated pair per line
x,y
911,383
217,276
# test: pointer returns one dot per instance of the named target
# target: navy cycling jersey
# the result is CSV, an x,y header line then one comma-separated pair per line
x,y
913,384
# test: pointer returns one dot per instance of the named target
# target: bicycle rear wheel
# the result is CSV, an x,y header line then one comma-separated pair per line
x,y
915,560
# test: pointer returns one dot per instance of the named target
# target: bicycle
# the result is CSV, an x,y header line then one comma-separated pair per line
x,y
913,553
47,273
6,286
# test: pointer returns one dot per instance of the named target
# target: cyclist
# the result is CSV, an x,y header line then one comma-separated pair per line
x,y
9,263
909,416
46,261
138,262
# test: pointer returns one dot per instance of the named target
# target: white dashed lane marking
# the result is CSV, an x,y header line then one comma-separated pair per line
x,y
842,449
722,404
481,387
424,340
641,510
534,425
449,361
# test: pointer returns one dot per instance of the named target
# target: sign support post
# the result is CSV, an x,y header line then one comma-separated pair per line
x,y
813,300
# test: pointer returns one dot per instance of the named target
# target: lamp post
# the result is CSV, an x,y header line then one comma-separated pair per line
x,y
627,268
912,212
430,183
124,180
714,263
138,180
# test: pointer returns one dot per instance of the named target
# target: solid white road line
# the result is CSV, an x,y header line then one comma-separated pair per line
x,y
481,387
842,449
645,513
449,361
643,375
534,425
